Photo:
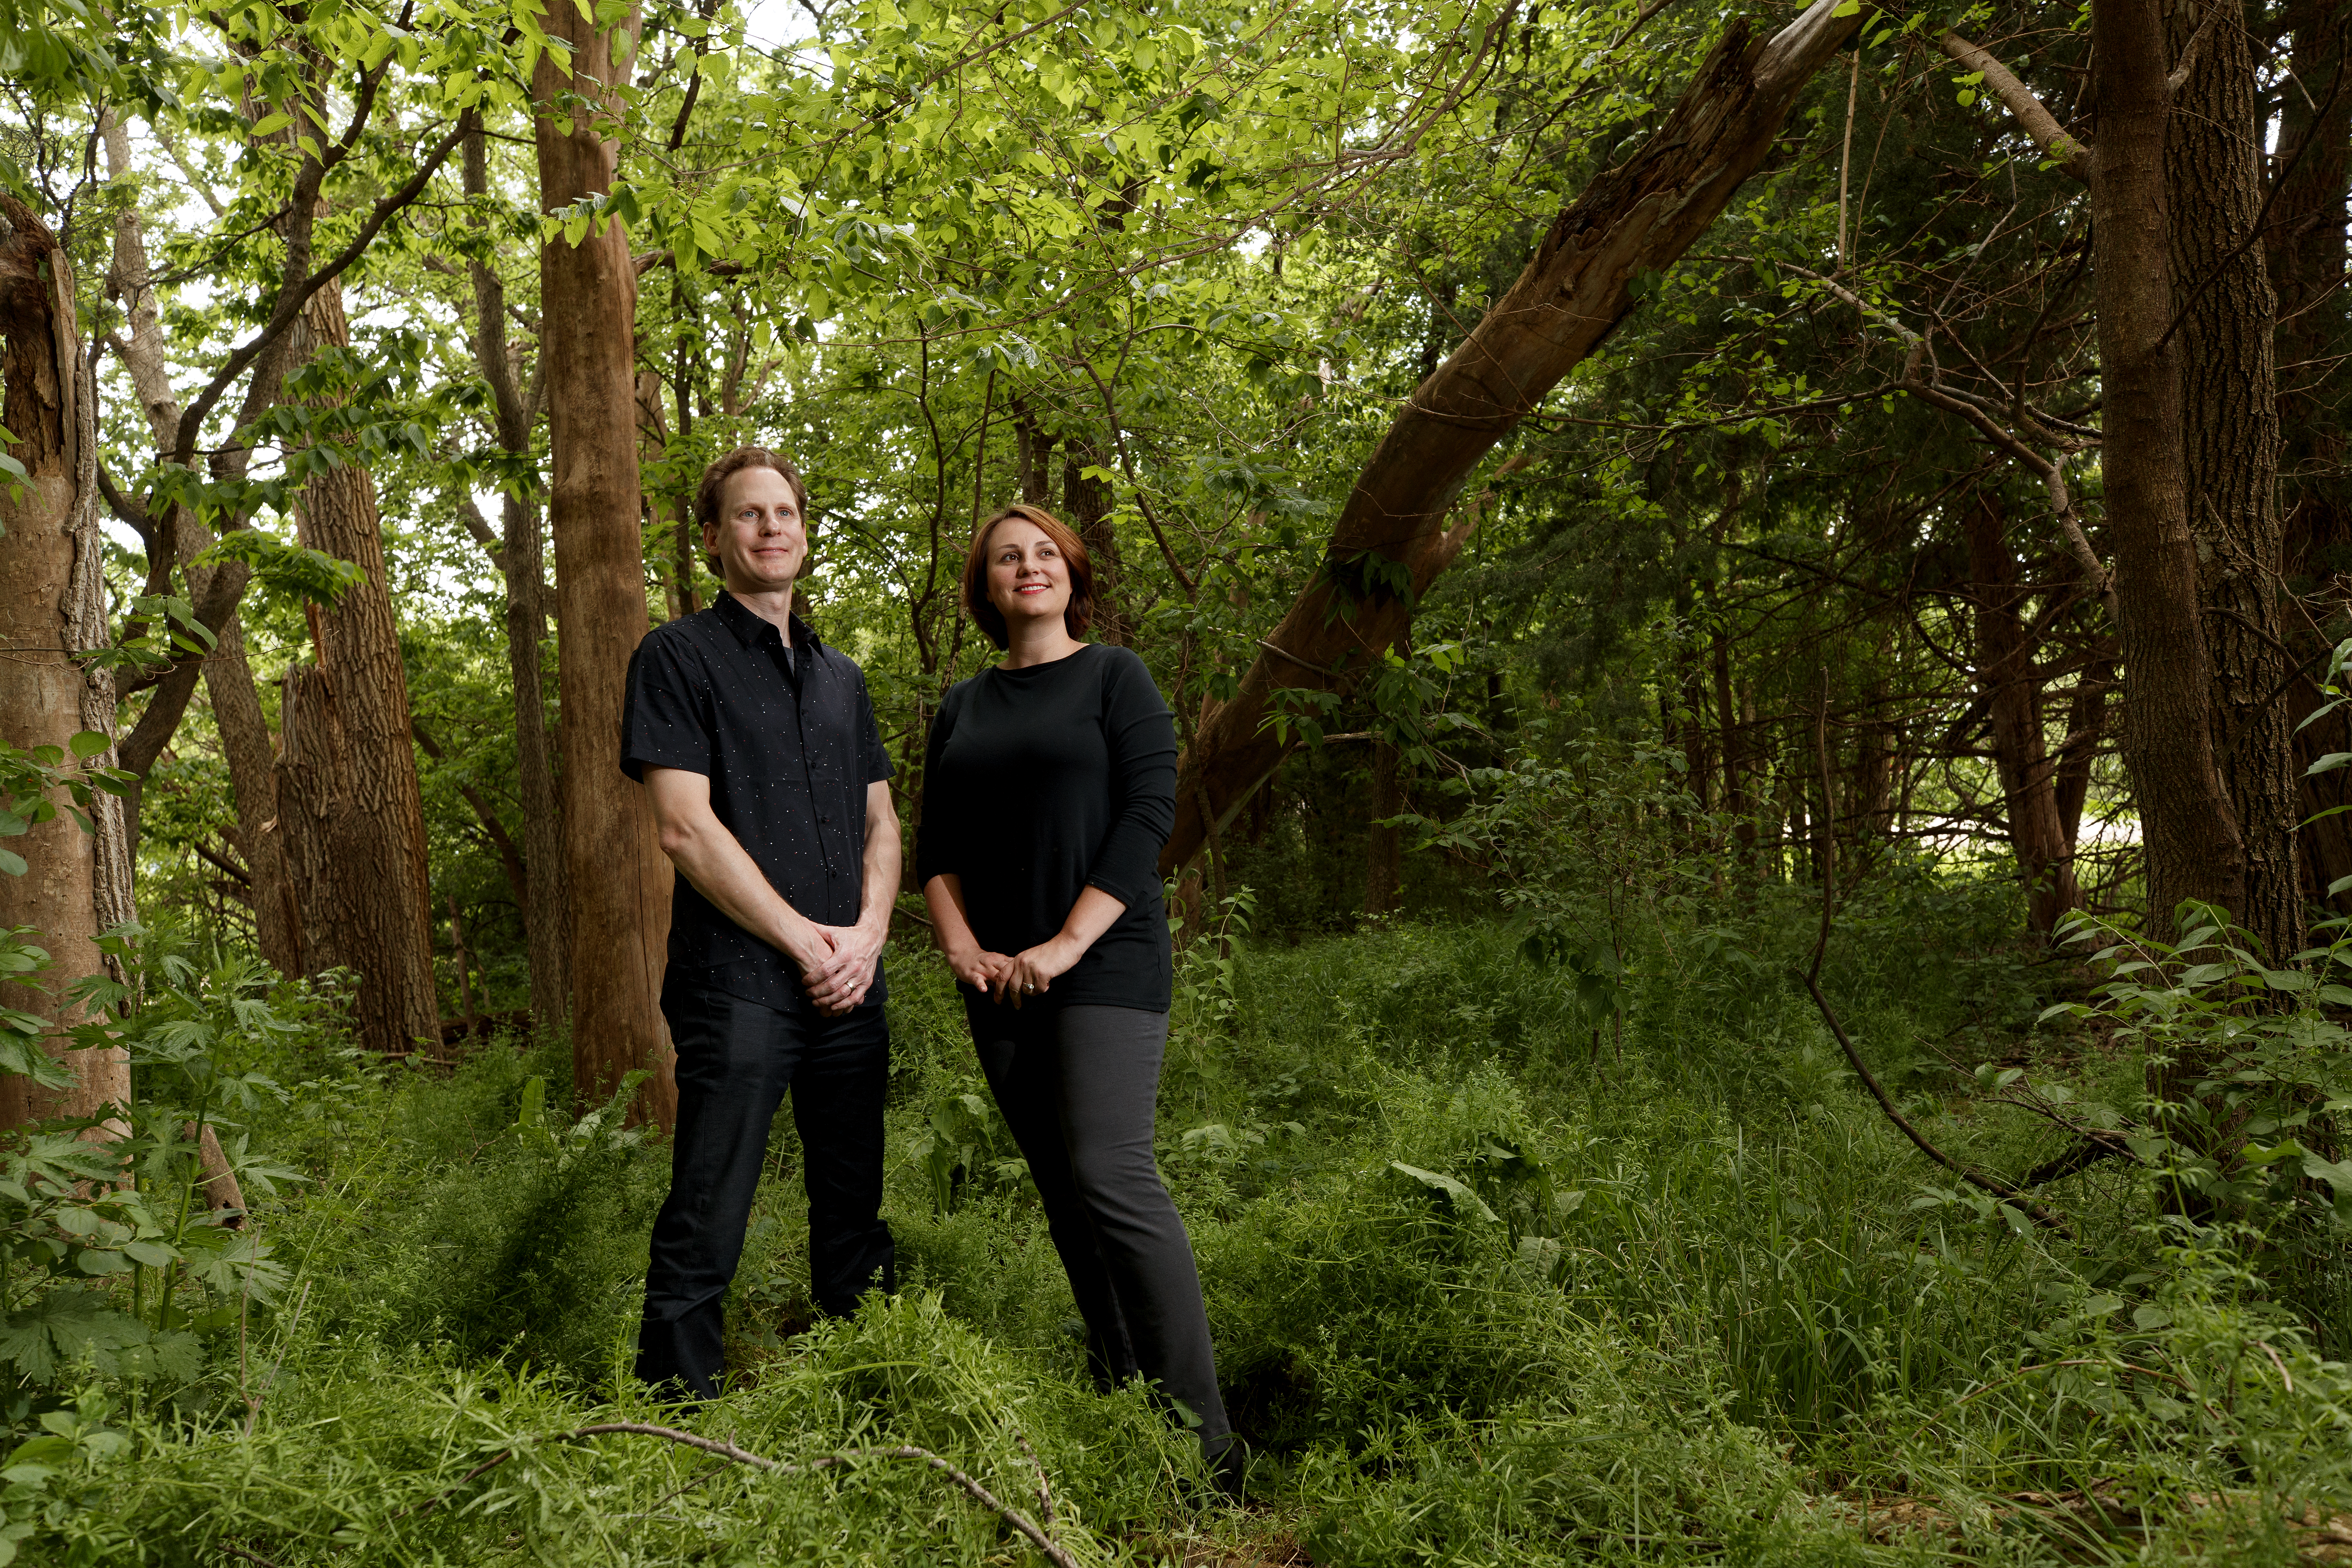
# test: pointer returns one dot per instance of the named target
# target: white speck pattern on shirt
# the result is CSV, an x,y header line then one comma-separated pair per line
x,y
788,740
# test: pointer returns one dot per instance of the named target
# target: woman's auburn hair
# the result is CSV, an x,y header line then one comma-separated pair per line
x,y
1080,612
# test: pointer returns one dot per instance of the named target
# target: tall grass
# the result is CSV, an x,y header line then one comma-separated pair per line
x,y
1482,1293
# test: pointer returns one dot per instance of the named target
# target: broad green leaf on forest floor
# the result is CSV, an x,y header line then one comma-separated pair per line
x,y
1464,1202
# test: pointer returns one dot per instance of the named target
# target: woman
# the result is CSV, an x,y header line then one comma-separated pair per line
x,y
1050,786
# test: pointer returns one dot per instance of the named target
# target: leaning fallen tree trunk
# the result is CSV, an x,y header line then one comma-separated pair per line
x,y
1637,218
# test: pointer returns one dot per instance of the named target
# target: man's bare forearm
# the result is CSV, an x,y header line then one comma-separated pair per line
x,y
723,871
718,867
883,861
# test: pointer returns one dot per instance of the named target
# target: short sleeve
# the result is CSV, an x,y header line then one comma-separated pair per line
x,y
873,759
665,721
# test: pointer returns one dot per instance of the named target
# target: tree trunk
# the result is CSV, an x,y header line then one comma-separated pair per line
x,y
1383,851
683,541
314,778
1874,753
52,609
246,740
1087,502
2305,243
372,905
1735,804
2230,436
1035,453
1391,541
2087,719
252,757
2005,672
1690,694
2188,824
620,881
547,920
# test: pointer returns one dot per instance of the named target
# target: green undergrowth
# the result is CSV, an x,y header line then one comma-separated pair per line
x,y
1493,1281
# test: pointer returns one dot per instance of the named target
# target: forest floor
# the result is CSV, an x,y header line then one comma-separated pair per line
x,y
1489,1285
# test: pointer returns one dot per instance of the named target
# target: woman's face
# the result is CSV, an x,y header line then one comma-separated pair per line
x,y
1027,577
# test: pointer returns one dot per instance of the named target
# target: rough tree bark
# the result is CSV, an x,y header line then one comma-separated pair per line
x,y
2305,245
366,900
522,560
262,359
1391,541
1087,502
620,881
52,609
2189,825
2230,434
2005,672
1034,450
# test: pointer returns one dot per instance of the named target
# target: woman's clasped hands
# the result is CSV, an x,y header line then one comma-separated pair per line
x,y
1028,972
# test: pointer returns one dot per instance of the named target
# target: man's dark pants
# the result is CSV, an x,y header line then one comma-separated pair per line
x,y
735,1060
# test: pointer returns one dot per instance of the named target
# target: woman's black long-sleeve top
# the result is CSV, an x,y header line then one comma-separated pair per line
x,y
1042,782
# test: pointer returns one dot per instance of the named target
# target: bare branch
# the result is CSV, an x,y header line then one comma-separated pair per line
x,y
2177,78
1055,1552
478,528
2033,116
1811,977
291,300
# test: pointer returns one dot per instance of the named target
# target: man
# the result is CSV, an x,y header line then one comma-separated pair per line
x,y
757,747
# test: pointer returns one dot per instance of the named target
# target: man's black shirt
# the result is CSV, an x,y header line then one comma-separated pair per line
x,y
788,740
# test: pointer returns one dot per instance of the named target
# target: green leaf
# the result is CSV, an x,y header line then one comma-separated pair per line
x,y
87,744
1458,1193
13,863
2336,1174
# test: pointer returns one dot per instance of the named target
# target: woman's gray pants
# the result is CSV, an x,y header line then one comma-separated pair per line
x,y
1077,1086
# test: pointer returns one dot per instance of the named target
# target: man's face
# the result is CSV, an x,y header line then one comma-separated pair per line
x,y
760,538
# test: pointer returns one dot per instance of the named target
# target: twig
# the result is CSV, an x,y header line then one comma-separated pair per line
x,y
1845,155
1142,501
1634,25
1045,1492
980,1494
237,1550
1811,977
2089,1149
2177,78
2283,1375
1293,657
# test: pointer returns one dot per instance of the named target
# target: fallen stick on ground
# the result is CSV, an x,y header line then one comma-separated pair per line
x,y
980,1494
1811,977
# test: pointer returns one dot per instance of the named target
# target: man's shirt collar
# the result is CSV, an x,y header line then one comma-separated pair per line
x,y
754,630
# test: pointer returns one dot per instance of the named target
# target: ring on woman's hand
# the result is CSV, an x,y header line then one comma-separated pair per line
x,y
1028,988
